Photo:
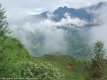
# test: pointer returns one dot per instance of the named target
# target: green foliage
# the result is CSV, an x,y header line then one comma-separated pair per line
x,y
3,32
14,53
96,69
3,23
43,71
11,50
77,72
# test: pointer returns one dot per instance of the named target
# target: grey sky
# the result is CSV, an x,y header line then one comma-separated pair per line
x,y
20,8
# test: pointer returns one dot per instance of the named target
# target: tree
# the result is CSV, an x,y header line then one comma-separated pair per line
x,y
96,69
4,32
3,23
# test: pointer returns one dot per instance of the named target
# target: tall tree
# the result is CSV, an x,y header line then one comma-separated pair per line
x,y
96,69
3,23
4,33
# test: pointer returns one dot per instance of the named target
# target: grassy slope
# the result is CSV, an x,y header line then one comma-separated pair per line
x,y
78,72
11,55
14,51
61,61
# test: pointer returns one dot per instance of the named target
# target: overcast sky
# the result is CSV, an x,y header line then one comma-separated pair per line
x,y
27,7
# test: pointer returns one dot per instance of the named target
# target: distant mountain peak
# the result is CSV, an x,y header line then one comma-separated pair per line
x,y
65,7
102,3
59,13
98,5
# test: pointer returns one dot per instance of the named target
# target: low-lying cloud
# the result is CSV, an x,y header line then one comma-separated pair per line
x,y
99,32
45,36
52,38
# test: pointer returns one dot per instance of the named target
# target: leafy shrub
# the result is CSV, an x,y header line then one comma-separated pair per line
x,y
43,71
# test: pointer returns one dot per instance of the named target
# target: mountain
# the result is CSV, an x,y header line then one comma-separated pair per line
x,y
60,12
84,13
80,13
41,41
97,6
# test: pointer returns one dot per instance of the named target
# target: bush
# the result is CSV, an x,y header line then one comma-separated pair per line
x,y
43,71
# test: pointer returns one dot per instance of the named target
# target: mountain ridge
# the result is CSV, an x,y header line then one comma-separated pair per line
x,y
59,13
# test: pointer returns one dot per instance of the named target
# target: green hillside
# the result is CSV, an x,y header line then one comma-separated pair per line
x,y
12,52
15,54
78,70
